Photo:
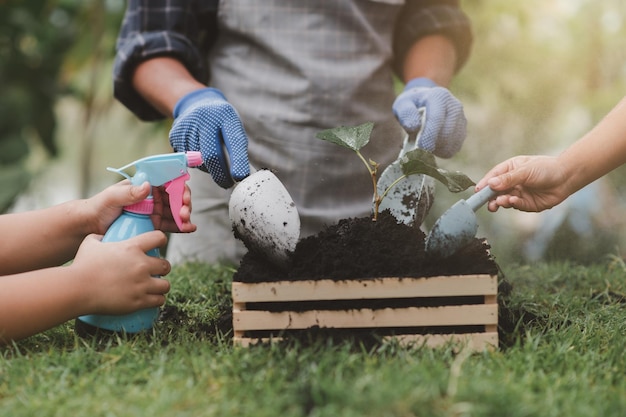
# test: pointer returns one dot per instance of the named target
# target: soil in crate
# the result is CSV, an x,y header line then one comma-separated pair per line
x,y
358,248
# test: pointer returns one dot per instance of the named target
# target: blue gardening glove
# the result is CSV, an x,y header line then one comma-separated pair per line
x,y
204,121
445,124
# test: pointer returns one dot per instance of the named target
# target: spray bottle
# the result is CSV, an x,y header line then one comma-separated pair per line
x,y
170,170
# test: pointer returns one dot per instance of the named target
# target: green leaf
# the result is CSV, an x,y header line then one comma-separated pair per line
x,y
419,161
351,137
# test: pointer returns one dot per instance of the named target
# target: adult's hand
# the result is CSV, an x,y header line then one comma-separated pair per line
x,y
204,121
445,126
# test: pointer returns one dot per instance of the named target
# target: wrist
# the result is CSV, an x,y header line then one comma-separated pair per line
x,y
78,286
83,216
195,96
420,82
573,176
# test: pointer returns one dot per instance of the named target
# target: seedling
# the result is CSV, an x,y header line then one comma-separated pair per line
x,y
417,161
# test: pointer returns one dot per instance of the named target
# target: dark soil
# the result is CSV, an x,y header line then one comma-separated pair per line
x,y
358,248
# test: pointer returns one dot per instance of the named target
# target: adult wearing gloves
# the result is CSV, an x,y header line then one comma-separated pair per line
x,y
280,72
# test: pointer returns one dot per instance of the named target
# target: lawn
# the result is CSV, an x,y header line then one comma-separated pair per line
x,y
563,356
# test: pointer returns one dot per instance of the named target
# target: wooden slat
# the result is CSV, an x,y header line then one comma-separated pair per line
x,y
476,341
366,318
443,286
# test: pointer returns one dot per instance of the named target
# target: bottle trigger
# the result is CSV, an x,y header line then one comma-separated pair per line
x,y
175,189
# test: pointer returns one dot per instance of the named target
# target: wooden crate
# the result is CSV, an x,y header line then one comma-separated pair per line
x,y
461,308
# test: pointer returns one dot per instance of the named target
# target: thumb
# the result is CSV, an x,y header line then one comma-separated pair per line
x,y
137,193
89,240
95,236
124,193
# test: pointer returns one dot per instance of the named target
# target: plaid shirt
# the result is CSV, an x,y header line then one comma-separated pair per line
x,y
186,29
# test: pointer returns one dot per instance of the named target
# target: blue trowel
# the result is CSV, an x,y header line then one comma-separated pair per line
x,y
457,226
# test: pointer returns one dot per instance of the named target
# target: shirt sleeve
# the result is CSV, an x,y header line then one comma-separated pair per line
x,y
152,28
421,18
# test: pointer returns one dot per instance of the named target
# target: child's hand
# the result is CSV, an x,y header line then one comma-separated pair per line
x,y
107,205
119,277
162,213
526,183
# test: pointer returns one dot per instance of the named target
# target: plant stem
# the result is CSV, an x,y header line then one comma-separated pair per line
x,y
391,186
372,168
379,198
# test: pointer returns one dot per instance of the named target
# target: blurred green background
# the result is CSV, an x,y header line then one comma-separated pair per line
x,y
541,74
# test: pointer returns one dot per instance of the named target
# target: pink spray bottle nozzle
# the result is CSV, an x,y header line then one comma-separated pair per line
x,y
194,158
170,170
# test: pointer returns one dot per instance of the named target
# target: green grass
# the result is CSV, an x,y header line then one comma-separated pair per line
x,y
566,358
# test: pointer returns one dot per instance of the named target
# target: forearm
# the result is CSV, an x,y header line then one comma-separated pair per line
x,y
163,81
183,29
39,300
42,238
599,152
420,19
432,57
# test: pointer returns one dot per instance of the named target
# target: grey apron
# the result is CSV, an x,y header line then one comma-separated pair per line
x,y
292,69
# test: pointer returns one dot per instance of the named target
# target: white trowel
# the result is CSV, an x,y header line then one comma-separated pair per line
x,y
265,217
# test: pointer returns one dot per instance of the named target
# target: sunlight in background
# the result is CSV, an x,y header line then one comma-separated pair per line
x,y
540,76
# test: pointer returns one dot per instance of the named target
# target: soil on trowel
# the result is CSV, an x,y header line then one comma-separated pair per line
x,y
359,248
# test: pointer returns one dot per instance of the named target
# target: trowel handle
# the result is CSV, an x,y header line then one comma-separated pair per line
x,y
478,199
411,139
